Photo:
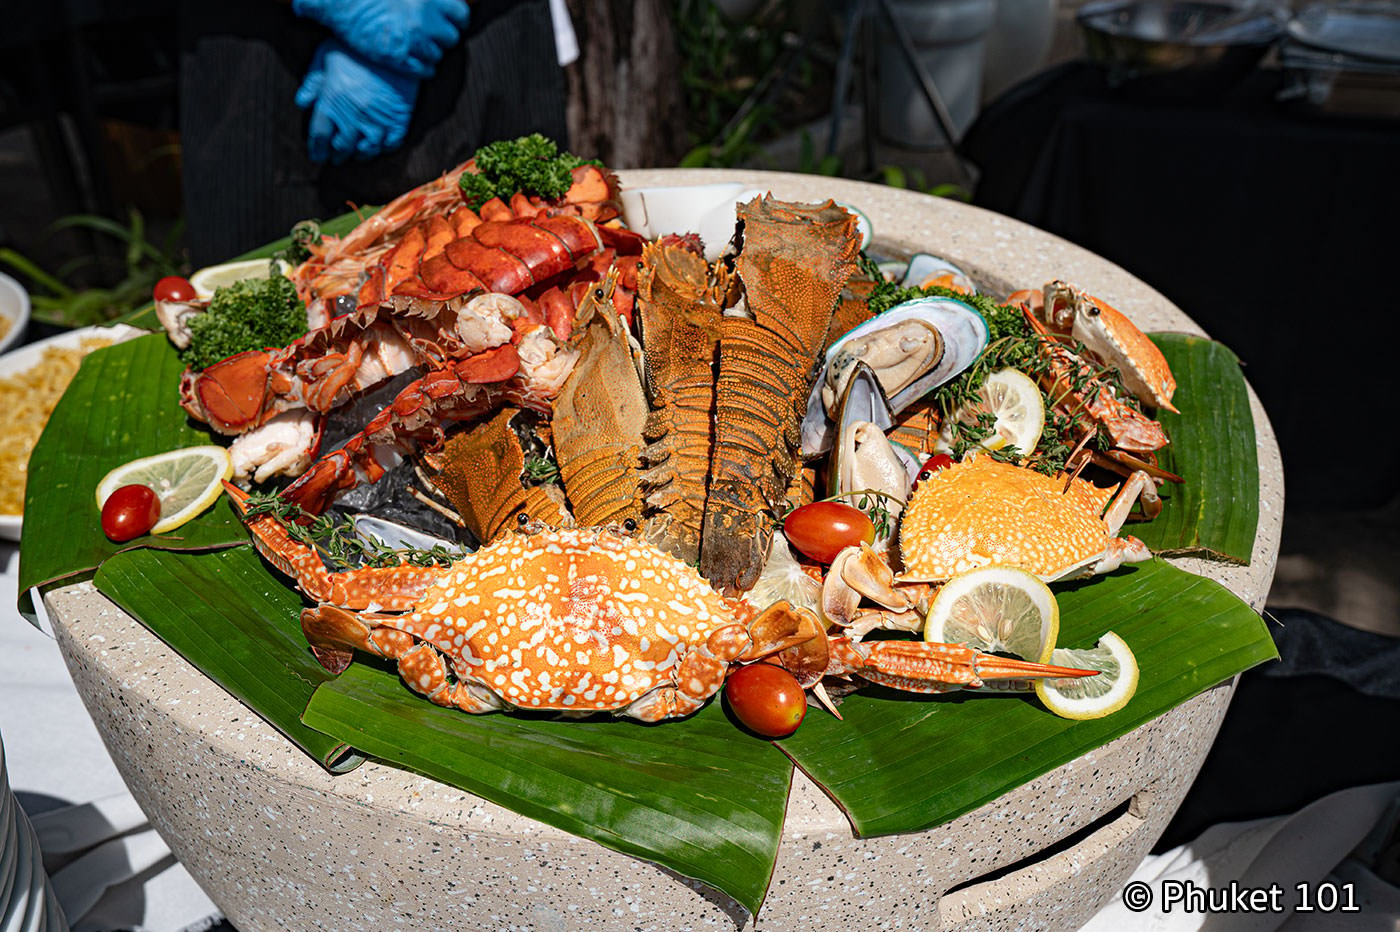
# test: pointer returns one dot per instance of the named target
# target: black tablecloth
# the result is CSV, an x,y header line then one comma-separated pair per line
x,y
1271,227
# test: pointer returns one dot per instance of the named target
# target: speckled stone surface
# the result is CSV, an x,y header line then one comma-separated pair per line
x,y
280,844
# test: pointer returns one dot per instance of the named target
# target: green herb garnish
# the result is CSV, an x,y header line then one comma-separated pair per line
x,y
337,540
1014,344
252,314
531,164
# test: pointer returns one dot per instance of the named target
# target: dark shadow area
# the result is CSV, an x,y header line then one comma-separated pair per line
x,y
1259,220
36,804
1320,720
1045,854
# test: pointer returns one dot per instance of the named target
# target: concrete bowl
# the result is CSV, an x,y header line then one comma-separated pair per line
x,y
278,843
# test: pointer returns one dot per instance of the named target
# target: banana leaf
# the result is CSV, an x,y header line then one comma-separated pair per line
x,y
899,764
1215,512
696,796
122,404
225,614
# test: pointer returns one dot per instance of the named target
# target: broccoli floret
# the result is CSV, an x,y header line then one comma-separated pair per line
x,y
251,314
304,234
531,164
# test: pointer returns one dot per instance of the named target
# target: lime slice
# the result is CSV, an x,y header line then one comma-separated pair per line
x,y
1015,401
1092,696
186,482
996,608
213,277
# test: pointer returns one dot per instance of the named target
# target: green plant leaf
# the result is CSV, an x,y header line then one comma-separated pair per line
x,y
336,226
241,627
696,796
898,764
133,236
954,191
893,176
26,266
121,405
1215,512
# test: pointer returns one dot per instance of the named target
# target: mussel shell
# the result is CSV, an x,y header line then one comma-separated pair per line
x,y
924,266
374,529
862,400
965,336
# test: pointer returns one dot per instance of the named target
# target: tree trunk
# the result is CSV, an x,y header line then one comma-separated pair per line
x,y
626,105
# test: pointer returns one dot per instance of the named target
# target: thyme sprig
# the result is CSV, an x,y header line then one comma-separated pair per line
x,y
336,540
872,502
540,469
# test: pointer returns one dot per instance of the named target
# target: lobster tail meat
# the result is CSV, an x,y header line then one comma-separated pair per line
x,y
680,305
464,390
795,261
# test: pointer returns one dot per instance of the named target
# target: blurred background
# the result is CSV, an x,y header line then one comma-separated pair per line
x,y
1239,157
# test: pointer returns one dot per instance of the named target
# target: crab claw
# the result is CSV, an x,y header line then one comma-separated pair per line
x,y
925,667
860,572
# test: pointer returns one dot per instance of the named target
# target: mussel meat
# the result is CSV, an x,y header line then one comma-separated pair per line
x,y
912,348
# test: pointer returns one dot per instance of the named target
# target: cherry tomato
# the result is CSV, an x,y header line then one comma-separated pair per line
x,y
821,530
174,288
766,699
129,512
933,464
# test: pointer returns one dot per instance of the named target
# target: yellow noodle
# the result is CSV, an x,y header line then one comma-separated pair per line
x,y
5,325
26,401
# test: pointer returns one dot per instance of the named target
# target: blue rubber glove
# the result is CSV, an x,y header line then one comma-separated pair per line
x,y
407,35
359,109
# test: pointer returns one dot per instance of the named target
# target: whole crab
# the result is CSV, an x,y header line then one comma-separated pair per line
x,y
582,620
982,511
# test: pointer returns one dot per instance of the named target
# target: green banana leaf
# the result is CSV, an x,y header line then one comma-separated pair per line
x,y
240,626
1215,512
897,764
122,404
696,796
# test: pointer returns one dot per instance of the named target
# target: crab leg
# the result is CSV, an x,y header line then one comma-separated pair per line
x,y
388,587
462,390
1138,486
335,634
922,667
1129,549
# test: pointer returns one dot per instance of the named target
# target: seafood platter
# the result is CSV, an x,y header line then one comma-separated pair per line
x,y
560,500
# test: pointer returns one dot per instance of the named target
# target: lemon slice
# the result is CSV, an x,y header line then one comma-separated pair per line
x,y
1092,696
213,277
1015,401
996,608
186,482
782,577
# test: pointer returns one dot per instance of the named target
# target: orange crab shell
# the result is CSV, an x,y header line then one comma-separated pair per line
x,y
1147,372
982,511
580,619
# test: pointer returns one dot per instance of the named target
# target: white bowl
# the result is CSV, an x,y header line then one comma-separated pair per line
x,y
706,209
14,307
26,357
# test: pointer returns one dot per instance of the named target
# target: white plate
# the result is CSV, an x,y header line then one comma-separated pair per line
x,y
26,357
14,307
